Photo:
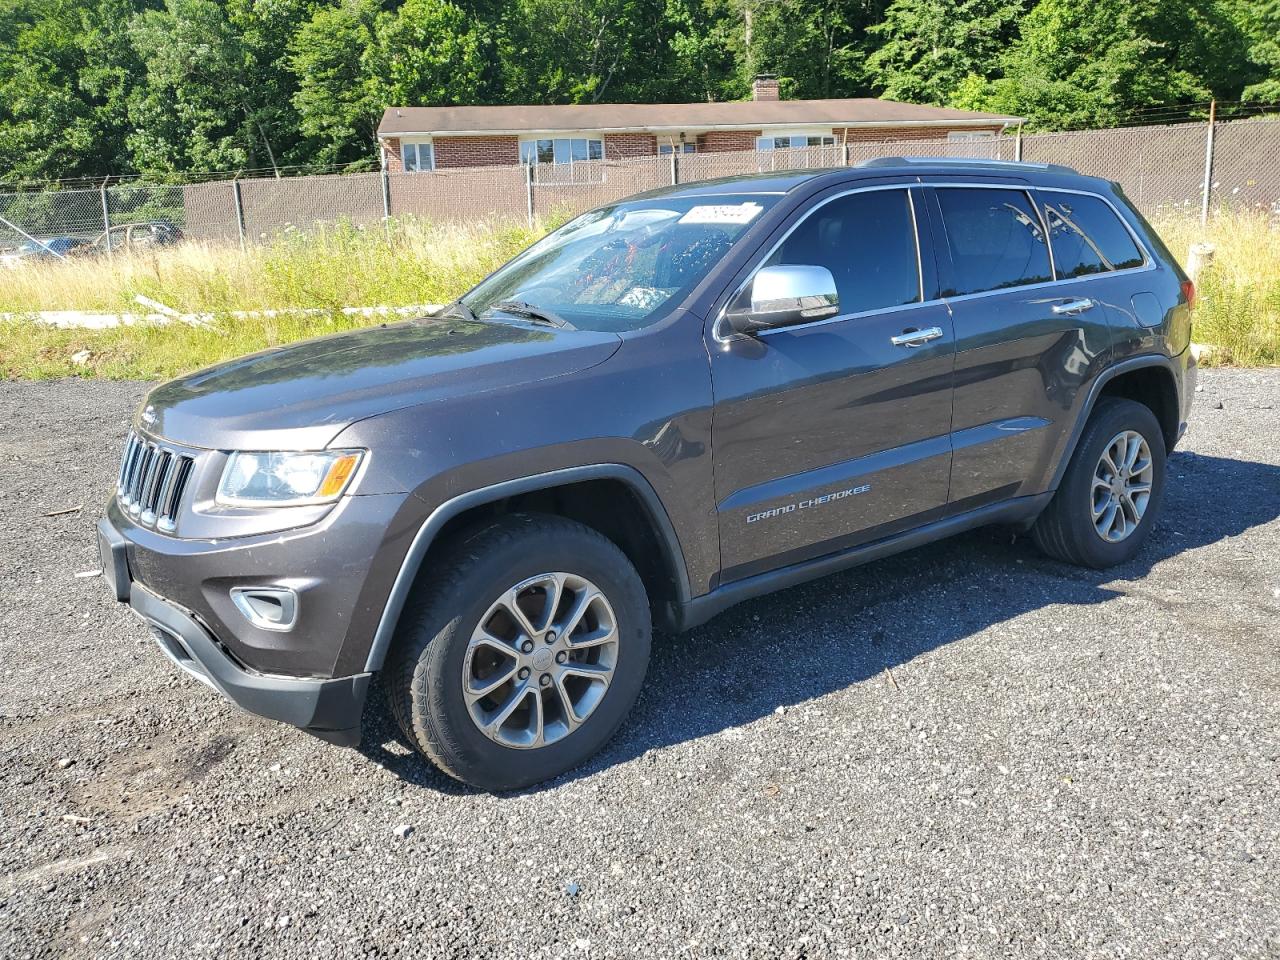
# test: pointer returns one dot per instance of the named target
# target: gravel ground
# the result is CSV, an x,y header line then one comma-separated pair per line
x,y
964,750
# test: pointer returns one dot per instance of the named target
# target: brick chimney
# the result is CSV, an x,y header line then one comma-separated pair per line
x,y
764,87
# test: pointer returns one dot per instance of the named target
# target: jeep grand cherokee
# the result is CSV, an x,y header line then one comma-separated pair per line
x,y
669,405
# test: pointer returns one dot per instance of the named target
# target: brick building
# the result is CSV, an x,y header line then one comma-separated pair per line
x,y
429,138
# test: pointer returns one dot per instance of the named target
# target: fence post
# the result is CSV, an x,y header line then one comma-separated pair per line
x,y
239,203
1208,164
1017,145
106,219
528,190
386,202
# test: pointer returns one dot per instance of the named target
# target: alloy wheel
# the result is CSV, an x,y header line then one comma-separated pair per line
x,y
1122,486
540,660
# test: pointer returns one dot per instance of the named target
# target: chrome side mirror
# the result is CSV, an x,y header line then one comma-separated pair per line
x,y
781,296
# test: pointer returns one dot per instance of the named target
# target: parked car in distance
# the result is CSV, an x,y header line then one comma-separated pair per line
x,y
136,236
55,248
667,406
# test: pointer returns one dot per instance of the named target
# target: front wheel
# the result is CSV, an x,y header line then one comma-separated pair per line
x,y
1111,491
522,653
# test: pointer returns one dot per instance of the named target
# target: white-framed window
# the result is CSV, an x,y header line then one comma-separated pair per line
x,y
561,150
416,157
786,142
957,136
666,149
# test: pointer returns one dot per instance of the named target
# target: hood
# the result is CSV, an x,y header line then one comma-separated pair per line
x,y
302,396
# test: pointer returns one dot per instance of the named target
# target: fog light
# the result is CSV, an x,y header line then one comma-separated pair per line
x,y
269,608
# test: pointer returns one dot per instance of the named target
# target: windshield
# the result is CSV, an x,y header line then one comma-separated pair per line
x,y
619,268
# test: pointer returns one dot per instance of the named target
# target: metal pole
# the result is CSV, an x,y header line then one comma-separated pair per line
x,y
1017,145
386,202
106,219
528,190
675,173
1208,164
239,204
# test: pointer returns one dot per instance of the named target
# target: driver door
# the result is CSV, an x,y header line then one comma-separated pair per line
x,y
835,432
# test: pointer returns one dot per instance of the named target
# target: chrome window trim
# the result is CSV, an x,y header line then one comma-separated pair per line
x,y
1048,283
718,327
1149,262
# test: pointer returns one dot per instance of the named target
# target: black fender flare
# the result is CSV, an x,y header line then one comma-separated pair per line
x,y
442,514
1095,390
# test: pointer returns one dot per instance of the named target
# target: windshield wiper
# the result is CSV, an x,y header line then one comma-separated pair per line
x,y
531,311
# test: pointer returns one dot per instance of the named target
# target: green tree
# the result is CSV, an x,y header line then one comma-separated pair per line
x,y
1259,20
266,28
931,47
64,79
429,52
587,51
336,100
108,78
701,61
1087,63
816,47
217,93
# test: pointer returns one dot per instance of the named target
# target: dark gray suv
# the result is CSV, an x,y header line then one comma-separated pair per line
x,y
668,405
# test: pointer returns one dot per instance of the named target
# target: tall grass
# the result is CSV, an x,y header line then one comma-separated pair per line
x,y
331,267
1237,312
321,270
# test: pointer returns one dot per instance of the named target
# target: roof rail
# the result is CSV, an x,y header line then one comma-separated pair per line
x,y
966,162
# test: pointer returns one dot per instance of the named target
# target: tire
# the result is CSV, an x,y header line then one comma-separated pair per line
x,y
1068,529
438,647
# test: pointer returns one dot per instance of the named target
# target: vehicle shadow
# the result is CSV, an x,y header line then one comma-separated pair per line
x,y
849,628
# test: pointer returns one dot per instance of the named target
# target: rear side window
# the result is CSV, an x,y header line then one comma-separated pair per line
x,y
1087,236
868,242
995,238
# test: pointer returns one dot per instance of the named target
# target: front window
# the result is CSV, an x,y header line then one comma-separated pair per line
x,y
666,149
561,150
621,267
417,157
868,242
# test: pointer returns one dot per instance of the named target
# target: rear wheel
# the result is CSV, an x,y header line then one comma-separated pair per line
x,y
522,654
1111,492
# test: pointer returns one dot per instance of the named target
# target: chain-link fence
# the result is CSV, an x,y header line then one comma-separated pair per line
x,y
1187,168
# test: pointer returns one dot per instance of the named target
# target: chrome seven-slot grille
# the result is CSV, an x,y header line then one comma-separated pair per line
x,y
152,481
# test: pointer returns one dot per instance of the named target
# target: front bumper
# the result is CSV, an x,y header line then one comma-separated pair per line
x,y
330,709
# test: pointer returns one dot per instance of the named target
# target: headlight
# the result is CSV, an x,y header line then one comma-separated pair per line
x,y
287,479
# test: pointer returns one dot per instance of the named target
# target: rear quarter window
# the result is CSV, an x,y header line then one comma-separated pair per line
x,y
1087,236
995,238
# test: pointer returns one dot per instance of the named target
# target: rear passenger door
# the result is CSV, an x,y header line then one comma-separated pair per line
x,y
831,433
1090,242
1025,343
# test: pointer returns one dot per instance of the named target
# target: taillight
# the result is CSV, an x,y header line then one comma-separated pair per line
x,y
1189,292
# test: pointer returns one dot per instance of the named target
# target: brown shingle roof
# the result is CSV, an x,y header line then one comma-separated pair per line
x,y
751,114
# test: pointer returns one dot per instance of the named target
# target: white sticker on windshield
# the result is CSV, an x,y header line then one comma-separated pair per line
x,y
722,213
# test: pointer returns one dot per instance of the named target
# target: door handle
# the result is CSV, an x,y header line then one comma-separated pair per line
x,y
1073,306
914,338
